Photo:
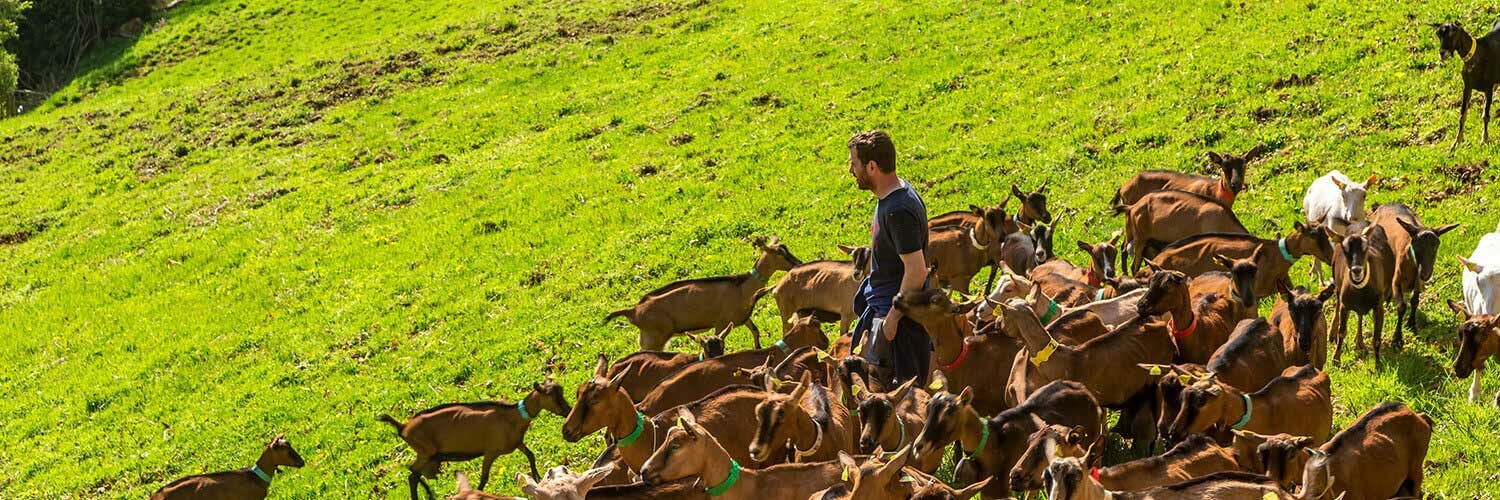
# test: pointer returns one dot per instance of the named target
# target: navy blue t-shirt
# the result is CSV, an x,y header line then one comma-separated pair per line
x,y
900,227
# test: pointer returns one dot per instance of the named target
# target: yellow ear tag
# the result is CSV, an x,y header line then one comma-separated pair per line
x,y
1185,379
775,383
855,389
1269,496
1154,370
823,355
935,385
681,423
845,475
1045,354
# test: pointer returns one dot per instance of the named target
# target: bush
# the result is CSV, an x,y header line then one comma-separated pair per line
x,y
10,14
56,34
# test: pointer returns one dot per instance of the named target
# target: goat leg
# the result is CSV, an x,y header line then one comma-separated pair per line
x,y
1488,96
1475,386
484,471
411,481
1416,298
1359,333
1342,329
1379,325
1400,319
1463,113
530,459
753,330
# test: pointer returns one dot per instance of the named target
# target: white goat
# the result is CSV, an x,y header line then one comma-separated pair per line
x,y
1482,276
1335,201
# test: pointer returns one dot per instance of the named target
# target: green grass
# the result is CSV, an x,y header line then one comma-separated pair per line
x,y
291,216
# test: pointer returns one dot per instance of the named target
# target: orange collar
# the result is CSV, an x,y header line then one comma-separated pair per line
x,y
964,353
1225,193
1094,473
1185,332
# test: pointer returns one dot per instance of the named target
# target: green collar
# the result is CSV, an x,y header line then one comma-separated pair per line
x,y
521,407
984,437
734,476
781,344
261,474
1412,251
755,275
1245,419
1285,254
640,425
1051,311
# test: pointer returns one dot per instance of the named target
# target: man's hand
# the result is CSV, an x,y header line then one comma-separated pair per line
x,y
888,327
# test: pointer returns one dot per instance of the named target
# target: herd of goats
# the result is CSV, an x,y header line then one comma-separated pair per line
x,y
1171,339
1026,374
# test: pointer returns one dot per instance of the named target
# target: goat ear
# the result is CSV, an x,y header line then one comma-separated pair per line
x,y
1249,437
1152,265
1085,247
1114,239
462,480
1327,292
903,390
614,383
848,250
1471,266
1284,288
1215,159
1017,192
971,490
601,368
1302,441
966,396
1410,229
593,476
939,381
1440,230
1460,308
1076,435
1224,261
1372,181
1338,183
1255,152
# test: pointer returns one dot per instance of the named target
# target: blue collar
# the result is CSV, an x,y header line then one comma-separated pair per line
x,y
781,344
1281,245
261,474
1245,419
521,407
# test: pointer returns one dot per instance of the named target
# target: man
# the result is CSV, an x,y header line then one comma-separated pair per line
x,y
898,237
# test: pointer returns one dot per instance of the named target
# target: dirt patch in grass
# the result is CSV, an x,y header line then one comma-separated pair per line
x,y
21,235
1468,177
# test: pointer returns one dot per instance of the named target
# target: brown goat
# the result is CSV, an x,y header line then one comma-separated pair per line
x,y
1379,456
1127,345
1201,254
1163,217
825,285
966,360
700,379
1362,268
1033,205
1298,315
459,432
1101,264
559,484
1415,248
1299,402
1197,456
992,446
1254,356
706,303
875,479
1222,189
646,369
956,254
465,492
1203,310
803,360
890,420
932,488
1070,479
1478,341
603,404
691,451
812,423
248,483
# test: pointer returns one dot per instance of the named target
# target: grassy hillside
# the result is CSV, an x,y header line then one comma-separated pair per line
x,y
290,216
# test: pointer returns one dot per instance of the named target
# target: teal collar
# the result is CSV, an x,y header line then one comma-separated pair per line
x,y
1051,312
1412,251
1099,295
640,425
1245,419
755,275
261,474
984,437
781,344
1281,245
734,476
521,407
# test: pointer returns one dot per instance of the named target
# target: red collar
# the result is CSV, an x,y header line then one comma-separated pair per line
x,y
1094,473
1093,278
1225,193
1185,332
960,359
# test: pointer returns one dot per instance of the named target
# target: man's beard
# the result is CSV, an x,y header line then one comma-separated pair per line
x,y
863,183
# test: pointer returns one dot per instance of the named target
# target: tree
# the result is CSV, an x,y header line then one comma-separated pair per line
x,y
10,16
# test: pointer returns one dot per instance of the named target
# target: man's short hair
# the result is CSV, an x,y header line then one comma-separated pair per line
x,y
876,146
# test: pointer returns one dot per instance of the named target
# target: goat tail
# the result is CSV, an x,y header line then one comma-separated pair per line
x,y
391,420
1117,207
763,292
626,312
